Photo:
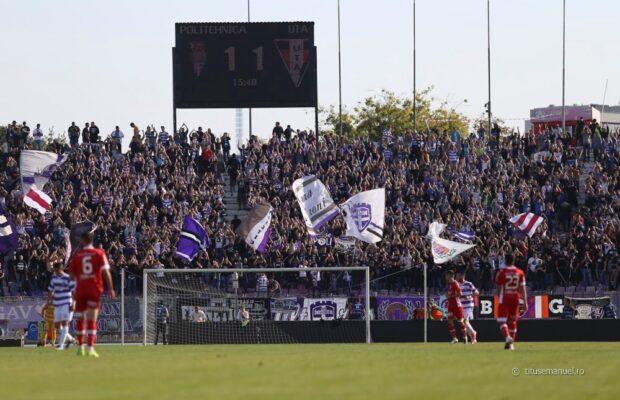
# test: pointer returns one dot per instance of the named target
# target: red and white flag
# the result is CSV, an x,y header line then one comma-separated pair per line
x,y
527,222
37,200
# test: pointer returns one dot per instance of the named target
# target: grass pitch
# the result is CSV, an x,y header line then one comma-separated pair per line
x,y
342,371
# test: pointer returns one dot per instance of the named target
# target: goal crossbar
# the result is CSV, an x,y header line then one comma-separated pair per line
x,y
366,271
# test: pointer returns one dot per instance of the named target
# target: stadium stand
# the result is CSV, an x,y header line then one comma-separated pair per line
x,y
474,184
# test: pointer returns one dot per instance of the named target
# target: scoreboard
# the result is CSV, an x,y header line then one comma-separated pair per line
x,y
242,65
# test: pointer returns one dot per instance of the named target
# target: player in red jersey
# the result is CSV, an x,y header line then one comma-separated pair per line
x,y
510,286
89,267
455,308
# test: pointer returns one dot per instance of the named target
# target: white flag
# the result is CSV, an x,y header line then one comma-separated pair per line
x,y
317,206
37,167
256,227
364,214
444,250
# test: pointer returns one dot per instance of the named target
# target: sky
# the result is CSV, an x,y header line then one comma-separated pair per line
x,y
110,62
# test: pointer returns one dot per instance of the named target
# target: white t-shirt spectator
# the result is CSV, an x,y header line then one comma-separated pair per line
x,y
117,134
262,283
37,134
199,316
243,315
302,273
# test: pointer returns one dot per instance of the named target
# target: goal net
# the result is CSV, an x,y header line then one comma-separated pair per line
x,y
256,305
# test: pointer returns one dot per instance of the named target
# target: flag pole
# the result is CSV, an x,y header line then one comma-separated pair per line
x,y
603,105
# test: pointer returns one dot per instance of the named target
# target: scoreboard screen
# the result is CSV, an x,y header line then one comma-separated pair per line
x,y
241,65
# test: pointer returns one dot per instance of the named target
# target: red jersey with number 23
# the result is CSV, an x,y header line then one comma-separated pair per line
x,y
510,280
87,266
454,295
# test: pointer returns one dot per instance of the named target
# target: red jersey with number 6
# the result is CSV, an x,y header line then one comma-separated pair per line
x,y
87,266
510,280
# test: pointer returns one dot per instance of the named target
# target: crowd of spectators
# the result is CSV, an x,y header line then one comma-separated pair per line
x,y
474,183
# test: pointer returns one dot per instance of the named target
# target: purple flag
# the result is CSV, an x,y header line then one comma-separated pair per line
x,y
9,240
193,238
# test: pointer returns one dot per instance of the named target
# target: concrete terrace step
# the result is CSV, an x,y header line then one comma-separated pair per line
x,y
587,168
232,205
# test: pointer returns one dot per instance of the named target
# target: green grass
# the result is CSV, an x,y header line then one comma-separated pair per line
x,y
343,371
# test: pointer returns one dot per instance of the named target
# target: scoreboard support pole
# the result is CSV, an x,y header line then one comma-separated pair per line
x,y
174,119
316,122
250,123
316,98
174,101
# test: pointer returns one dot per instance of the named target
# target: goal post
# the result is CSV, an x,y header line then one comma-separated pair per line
x,y
256,305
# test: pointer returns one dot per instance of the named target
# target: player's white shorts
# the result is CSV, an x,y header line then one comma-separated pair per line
x,y
61,313
468,313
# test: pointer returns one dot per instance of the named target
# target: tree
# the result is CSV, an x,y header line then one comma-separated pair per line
x,y
483,120
50,137
388,110
331,121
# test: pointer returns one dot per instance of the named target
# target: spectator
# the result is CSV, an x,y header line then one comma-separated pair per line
x,y
25,132
117,137
199,315
609,310
86,133
93,133
262,284
74,134
161,322
277,132
37,135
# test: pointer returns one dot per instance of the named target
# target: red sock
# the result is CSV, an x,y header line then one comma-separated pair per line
x,y
512,329
91,331
452,331
79,331
504,328
464,331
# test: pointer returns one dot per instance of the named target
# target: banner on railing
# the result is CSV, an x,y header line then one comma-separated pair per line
x,y
328,308
403,308
588,308
224,309
285,308
18,314
538,307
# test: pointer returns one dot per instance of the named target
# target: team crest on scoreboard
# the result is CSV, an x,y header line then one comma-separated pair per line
x,y
199,57
295,55
361,213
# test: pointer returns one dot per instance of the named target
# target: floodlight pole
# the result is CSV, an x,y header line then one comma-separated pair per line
x,y
489,60
250,109
339,75
563,65
415,109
